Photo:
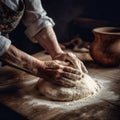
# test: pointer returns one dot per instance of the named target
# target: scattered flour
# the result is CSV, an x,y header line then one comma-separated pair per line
x,y
83,88
33,98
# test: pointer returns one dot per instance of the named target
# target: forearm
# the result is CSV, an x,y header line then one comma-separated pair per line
x,y
39,27
16,57
47,39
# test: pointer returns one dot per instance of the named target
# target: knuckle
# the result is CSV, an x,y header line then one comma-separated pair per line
x,y
77,77
59,71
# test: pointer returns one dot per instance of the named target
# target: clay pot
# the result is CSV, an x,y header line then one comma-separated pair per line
x,y
105,49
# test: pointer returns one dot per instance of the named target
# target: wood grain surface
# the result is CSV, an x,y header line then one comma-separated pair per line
x,y
17,91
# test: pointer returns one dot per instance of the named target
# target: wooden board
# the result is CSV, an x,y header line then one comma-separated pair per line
x,y
25,100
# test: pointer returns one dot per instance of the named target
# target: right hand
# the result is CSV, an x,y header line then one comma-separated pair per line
x,y
59,73
73,61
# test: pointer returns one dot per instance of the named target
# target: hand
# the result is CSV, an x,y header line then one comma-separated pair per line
x,y
73,60
57,72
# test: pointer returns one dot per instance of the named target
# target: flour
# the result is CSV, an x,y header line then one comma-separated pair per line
x,y
33,98
83,88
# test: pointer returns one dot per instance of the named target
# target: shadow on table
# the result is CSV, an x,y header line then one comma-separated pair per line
x,y
8,114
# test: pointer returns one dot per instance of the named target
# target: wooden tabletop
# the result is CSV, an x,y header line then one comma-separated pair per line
x,y
23,98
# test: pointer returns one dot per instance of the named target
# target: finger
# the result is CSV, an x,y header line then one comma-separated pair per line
x,y
65,82
71,76
62,63
71,58
55,74
81,67
76,62
84,68
49,73
59,73
71,70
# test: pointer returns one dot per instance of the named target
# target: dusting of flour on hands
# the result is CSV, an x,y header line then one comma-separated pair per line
x,y
83,88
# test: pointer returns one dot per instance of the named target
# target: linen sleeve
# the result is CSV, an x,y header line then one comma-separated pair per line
x,y
4,44
35,18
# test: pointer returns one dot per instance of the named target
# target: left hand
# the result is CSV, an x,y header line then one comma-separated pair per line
x,y
73,60
57,72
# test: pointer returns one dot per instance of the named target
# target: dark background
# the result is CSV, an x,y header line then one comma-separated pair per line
x,y
63,12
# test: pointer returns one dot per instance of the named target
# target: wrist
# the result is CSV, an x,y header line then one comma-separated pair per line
x,y
56,53
48,40
37,67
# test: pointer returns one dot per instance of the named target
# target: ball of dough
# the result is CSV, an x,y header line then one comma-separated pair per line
x,y
84,88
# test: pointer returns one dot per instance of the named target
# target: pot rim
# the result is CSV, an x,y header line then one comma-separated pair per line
x,y
107,30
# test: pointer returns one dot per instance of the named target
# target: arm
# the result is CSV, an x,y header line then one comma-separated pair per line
x,y
39,27
20,59
15,57
54,71
40,30
47,39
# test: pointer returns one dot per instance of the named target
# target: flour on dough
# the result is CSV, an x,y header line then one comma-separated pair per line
x,y
84,88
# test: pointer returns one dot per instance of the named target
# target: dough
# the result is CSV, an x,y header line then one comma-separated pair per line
x,y
84,88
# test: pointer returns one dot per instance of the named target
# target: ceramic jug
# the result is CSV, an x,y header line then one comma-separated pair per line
x,y
105,48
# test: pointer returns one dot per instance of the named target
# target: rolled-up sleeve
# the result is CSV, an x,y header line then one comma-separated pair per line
x,y
35,18
4,44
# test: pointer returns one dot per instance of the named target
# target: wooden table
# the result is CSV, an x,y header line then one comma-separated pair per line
x,y
26,101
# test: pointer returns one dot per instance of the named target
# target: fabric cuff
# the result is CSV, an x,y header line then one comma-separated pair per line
x,y
4,44
37,27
